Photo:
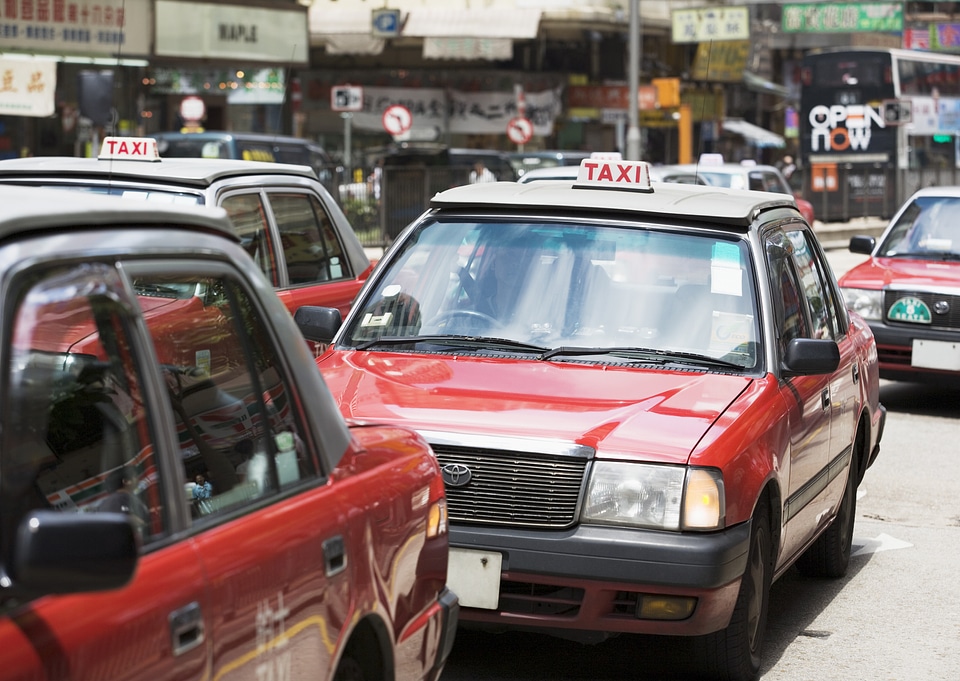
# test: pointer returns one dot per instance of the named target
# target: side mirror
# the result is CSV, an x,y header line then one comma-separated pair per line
x,y
318,324
807,356
862,244
58,553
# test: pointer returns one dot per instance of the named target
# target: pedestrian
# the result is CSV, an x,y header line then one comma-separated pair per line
x,y
789,167
481,173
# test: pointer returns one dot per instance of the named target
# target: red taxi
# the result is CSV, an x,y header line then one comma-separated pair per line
x,y
648,401
908,290
141,349
288,223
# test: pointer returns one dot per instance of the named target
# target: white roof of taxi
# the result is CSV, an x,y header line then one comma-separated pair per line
x,y
30,209
195,172
709,204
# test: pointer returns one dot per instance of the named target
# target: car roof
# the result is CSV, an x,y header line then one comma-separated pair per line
x,y
949,191
718,205
568,172
728,168
34,209
194,172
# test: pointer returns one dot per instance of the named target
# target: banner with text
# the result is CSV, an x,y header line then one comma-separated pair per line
x,y
27,87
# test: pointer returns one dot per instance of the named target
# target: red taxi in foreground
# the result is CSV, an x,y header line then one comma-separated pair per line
x,y
143,353
285,219
648,401
909,289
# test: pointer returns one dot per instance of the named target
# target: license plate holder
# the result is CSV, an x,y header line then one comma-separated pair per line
x,y
475,577
930,354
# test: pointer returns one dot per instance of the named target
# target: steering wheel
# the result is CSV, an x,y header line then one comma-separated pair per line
x,y
472,320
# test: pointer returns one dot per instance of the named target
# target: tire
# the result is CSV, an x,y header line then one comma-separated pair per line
x,y
733,654
349,670
829,555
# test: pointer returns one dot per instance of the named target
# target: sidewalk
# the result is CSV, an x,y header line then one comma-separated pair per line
x,y
836,235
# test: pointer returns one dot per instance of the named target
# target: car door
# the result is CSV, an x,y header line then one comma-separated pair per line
x,y
269,537
807,399
83,432
829,322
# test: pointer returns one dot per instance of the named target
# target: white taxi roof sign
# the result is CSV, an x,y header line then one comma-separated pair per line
x,y
614,174
129,149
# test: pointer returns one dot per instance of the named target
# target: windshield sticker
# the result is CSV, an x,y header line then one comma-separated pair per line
x,y
910,310
371,320
726,279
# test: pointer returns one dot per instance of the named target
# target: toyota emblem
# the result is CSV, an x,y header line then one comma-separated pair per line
x,y
456,475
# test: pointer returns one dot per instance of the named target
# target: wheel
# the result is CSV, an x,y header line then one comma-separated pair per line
x,y
829,555
463,321
349,670
733,654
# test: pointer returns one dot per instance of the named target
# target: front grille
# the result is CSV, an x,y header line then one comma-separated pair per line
x,y
514,489
950,320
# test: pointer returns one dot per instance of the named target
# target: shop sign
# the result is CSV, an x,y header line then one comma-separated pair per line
x,y
27,87
114,28
722,61
842,17
202,30
707,24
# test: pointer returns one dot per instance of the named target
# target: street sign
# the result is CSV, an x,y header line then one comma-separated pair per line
x,y
519,130
897,111
346,98
385,23
397,119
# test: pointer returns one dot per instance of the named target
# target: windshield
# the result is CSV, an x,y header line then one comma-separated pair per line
x,y
585,289
928,228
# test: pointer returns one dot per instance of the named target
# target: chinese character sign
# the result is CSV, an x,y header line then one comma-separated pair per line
x,y
113,28
27,87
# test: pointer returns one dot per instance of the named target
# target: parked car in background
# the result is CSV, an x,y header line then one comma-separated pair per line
x,y
648,401
740,176
908,290
142,347
286,220
248,146
525,161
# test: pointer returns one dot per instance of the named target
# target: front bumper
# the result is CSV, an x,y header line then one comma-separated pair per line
x,y
895,353
591,578
449,618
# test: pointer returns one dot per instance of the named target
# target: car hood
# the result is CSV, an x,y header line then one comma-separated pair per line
x,y
903,272
625,412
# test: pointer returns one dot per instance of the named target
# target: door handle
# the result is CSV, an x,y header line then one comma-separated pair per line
x,y
186,628
825,399
334,555
856,373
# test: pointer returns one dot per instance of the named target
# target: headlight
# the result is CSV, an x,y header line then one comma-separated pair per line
x,y
660,497
868,303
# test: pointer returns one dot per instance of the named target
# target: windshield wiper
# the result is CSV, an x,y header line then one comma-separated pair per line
x,y
641,354
456,341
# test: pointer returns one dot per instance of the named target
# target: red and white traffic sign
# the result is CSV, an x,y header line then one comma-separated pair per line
x,y
397,119
519,130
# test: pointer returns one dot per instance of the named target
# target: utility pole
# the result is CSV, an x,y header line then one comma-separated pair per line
x,y
635,57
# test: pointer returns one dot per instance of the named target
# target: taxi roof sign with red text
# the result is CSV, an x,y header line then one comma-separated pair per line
x,y
129,149
614,174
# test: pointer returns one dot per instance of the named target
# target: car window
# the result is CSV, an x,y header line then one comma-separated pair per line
x,y
803,296
236,422
311,249
566,284
929,225
77,433
249,218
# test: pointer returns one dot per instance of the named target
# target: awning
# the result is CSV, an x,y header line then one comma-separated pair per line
x,y
754,134
764,86
518,24
341,29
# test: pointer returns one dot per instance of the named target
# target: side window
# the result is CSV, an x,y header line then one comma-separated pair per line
x,y
789,307
817,293
237,422
76,432
249,219
310,245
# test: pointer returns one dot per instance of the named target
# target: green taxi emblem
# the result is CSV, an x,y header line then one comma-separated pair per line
x,y
910,310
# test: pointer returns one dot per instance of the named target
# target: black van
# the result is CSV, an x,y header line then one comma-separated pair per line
x,y
248,147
